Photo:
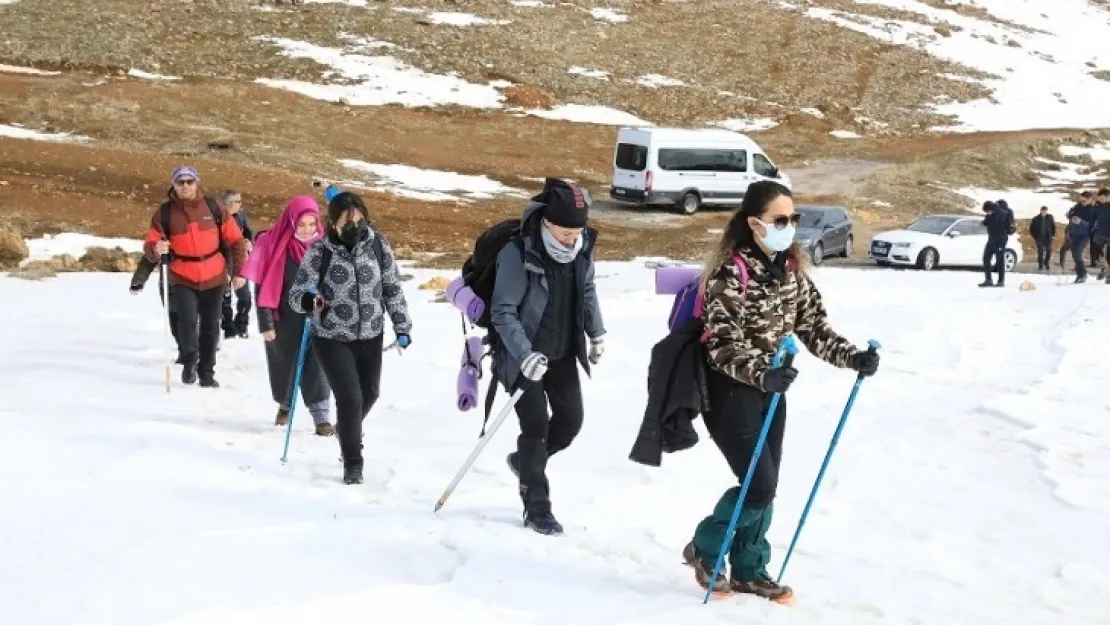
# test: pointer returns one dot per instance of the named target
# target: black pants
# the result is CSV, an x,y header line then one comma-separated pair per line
x,y
734,421
238,321
1044,254
1097,249
1077,257
996,255
281,362
197,345
541,436
354,373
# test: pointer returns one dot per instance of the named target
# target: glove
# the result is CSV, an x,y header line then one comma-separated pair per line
x,y
867,363
779,380
597,348
403,341
534,366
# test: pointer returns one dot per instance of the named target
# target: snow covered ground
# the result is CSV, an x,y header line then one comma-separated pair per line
x,y
971,485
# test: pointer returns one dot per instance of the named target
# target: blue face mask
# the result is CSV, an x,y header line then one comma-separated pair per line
x,y
776,239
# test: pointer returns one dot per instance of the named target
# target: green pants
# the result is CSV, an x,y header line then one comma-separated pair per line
x,y
750,550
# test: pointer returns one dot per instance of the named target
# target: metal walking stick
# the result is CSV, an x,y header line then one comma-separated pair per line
x,y
296,385
784,357
165,271
872,346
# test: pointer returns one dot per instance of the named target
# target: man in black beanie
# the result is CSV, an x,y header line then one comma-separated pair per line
x,y
1000,224
543,308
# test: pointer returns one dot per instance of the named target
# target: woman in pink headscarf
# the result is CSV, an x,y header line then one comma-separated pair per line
x,y
273,266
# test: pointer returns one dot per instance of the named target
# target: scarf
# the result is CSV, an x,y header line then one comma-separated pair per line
x,y
266,264
557,251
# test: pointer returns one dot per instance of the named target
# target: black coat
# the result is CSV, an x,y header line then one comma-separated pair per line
x,y
677,394
1043,228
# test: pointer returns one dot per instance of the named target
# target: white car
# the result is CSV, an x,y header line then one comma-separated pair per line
x,y
939,241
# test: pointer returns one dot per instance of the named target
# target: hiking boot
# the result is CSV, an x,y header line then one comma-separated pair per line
x,y
704,570
282,417
324,429
189,374
352,474
543,523
986,283
1080,279
764,588
513,461
230,333
209,382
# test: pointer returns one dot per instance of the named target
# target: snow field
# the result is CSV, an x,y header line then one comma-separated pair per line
x,y
969,486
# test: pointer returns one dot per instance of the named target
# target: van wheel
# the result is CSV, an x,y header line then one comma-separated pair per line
x,y
690,203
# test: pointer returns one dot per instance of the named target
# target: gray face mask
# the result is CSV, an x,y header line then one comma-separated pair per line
x,y
557,251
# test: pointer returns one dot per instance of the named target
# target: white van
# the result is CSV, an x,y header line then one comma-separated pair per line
x,y
687,168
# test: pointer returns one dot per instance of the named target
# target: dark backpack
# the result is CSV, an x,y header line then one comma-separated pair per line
x,y
479,270
217,216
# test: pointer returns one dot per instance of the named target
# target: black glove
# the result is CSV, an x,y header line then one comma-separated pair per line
x,y
867,363
779,380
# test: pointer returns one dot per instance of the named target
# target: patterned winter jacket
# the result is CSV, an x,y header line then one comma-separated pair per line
x,y
357,291
745,327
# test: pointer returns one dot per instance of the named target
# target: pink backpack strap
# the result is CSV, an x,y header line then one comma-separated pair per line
x,y
743,268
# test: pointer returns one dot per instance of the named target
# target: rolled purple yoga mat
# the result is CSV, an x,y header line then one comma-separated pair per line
x,y
464,299
472,352
467,388
671,280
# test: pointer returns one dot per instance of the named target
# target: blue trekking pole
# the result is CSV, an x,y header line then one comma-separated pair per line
x,y
872,346
788,347
296,384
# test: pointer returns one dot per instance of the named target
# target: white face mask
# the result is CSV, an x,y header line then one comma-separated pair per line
x,y
304,239
777,240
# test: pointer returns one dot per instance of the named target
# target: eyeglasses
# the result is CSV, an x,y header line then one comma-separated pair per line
x,y
185,183
782,221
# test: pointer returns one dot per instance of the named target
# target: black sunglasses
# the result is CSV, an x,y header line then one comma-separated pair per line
x,y
782,221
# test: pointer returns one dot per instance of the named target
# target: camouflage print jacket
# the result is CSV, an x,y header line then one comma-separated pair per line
x,y
744,328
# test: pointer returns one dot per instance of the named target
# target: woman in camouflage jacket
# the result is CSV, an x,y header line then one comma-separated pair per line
x,y
744,324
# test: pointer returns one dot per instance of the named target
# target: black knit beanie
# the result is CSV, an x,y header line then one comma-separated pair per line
x,y
565,205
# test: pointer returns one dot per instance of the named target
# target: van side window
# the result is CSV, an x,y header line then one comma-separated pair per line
x,y
763,166
671,159
631,157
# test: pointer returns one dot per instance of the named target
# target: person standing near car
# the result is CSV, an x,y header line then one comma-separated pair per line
x,y
1000,224
1043,230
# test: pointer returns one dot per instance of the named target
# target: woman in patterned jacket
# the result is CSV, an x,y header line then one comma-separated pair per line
x,y
350,282
744,325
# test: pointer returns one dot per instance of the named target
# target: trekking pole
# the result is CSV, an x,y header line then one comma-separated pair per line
x,y
872,346
164,270
482,442
789,347
296,384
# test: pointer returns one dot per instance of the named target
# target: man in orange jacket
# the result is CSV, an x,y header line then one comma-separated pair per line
x,y
201,239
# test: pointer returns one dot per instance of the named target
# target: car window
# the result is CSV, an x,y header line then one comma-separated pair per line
x,y
968,227
762,165
674,159
838,216
809,219
932,224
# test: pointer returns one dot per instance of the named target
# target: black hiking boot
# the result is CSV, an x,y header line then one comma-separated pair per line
x,y
765,589
543,523
209,382
189,374
986,283
352,474
703,570
513,460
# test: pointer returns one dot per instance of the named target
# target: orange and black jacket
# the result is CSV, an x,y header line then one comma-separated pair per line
x,y
196,244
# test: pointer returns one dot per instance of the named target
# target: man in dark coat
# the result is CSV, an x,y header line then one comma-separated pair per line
x,y
1043,230
999,222
1100,234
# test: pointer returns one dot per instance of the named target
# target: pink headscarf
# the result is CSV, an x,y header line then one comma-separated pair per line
x,y
266,264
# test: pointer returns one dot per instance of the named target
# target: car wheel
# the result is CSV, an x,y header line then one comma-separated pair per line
x,y
818,254
1010,258
928,259
690,203
848,247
